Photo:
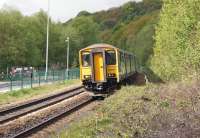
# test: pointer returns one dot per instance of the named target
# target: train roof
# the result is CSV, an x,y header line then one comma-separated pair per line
x,y
102,45
99,46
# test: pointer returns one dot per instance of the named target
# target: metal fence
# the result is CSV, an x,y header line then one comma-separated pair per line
x,y
35,78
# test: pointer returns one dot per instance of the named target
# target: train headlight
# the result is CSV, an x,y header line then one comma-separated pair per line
x,y
111,75
87,76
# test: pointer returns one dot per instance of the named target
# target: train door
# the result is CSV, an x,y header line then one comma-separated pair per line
x,y
99,71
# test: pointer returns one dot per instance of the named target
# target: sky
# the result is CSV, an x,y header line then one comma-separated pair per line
x,y
62,10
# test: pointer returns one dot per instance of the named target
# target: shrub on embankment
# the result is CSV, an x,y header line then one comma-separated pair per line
x,y
170,110
176,52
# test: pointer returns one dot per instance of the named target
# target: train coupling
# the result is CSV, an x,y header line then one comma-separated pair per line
x,y
100,87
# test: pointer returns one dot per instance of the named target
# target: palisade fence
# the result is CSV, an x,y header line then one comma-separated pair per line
x,y
36,78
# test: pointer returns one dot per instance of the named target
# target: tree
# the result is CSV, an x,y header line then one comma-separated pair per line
x,y
83,13
177,40
128,10
87,30
23,38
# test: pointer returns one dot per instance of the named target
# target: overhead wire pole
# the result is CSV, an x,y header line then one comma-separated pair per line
x,y
47,41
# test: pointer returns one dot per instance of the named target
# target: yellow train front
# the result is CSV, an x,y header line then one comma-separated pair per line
x,y
103,66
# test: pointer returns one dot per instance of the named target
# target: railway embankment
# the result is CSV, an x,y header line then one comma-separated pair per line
x,y
166,110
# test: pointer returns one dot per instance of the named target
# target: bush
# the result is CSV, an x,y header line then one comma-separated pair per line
x,y
176,52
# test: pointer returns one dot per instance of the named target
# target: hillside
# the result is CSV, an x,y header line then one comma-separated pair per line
x,y
130,27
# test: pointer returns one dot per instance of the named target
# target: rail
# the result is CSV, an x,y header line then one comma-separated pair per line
x,y
37,127
17,111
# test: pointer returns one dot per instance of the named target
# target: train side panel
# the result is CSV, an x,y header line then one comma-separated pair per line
x,y
127,65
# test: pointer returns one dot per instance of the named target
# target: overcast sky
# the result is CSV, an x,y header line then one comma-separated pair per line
x,y
62,10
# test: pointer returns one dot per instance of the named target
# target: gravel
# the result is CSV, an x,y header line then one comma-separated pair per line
x,y
11,128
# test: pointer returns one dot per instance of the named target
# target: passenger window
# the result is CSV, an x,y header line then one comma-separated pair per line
x,y
110,58
86,59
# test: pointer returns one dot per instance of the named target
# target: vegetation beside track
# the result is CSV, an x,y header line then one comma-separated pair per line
x,y
170,110
177,42
24,94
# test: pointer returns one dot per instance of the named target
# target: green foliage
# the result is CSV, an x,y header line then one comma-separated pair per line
x,y
83,32
87,30
83,13
176,52
10,37
23,38
128,10
131,27
137,36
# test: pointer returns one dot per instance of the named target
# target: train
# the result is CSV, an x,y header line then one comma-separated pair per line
x,y
103,66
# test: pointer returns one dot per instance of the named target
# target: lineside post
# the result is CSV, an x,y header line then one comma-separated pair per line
x,y
11,83
31,79
22,81
39,77
63,76
53,75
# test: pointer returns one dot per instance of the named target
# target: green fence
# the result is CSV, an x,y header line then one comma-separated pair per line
x,y
36,78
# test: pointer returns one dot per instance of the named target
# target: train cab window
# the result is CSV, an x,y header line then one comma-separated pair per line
x,y
110,58
86,59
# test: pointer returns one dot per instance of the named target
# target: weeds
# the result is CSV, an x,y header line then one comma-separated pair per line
x,y
170,110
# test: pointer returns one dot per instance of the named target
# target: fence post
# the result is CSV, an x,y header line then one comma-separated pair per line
x,y
39,77
63,76
53,75
47,77
22,81
31,79
11,83
67,75
56,76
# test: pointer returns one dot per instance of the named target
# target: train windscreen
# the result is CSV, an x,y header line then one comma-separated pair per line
x,y
86,59
110,57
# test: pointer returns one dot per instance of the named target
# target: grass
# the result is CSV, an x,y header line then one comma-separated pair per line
x,y
24,94
170,110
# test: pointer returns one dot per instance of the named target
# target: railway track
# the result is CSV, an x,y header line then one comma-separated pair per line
x,y
76,100
45,122
15,112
